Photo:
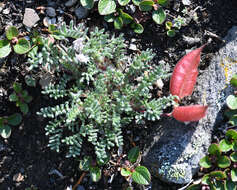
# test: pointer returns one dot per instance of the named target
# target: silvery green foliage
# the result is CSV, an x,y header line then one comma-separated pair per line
x,y
101,92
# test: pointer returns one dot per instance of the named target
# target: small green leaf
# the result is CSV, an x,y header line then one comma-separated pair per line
x,y
233,120
17,87
136,2
233,81
89,4
225,145
123,2
229,185
28,99
137,28
194,187
14,119
11,32
162,2
125,172
233,156
205,162
118,23
159,16
133,154
168,25
106,7
5,48
231,134
234,175
146,5
219,175
13,97
206,180
30,81
24,108
141,175
109,18
95,173
218,185
231,102
103,161
127,19
5,131
234,148
22,47
223,162
171,33
214,149
85,164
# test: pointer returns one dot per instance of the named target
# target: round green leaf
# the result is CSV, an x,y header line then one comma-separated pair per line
x,y
14,119
24,108
233,81
141,175
89,4
223,162
231,134
125,172
146,5
219,175
23,46
206,180
234,148
127,19
194,187
133,154
5,131
95,173
136,2
171,33
5,48
205,162
118,23
11,32
230,185
233,156
106,7
109,18
159,16
231,102
123,2
225,145
234,175
17,87
13,97
214,149
137,28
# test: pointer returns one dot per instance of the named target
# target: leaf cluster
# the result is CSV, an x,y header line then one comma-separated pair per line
x,y
21,97
101,90
220,165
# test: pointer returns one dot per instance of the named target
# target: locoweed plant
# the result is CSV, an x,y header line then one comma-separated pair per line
x,y
21,98
100,89
220,165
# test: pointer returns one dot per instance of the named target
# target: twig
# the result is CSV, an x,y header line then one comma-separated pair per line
x,y
79,181
208,33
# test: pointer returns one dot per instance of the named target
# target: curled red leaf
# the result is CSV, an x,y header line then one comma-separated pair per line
x,y
189,113
185,74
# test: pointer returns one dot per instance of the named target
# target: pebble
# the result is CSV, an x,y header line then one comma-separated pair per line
x,y
30,17
133,47
186,2
70,3
47,21
81,12
50,11
6,11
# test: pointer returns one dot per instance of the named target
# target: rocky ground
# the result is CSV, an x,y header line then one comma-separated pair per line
x,y
25,160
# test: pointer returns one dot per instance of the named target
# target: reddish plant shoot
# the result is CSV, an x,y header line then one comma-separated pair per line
x,y
185,74
189,113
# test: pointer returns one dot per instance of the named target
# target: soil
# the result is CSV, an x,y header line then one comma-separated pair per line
x,y
25,159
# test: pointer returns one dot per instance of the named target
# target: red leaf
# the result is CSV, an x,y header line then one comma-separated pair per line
x,y
189,113
185,74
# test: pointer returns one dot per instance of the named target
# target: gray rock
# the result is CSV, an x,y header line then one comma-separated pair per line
x,y
30,17
175,149
50,11
70,3
81,12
